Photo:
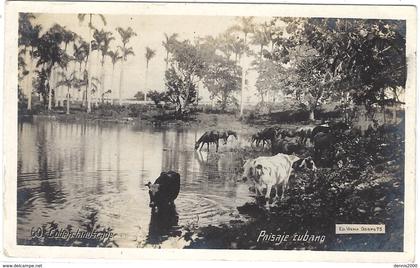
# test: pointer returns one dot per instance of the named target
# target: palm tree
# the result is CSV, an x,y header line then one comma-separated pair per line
x,y
51,57
225,43
126,51
81,18
67,37
80,54
67,81
168,45
115,57
150,53
261,37
28,39
237,47
246,26
103,40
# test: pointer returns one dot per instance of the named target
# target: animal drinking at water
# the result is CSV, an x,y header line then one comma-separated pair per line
x,y
213,136
265,135
164,190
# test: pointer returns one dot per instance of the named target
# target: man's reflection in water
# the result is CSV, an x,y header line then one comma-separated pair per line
x,y
163,224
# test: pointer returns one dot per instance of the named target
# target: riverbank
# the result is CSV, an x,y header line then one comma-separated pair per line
x,y
369,189
200,120
306,219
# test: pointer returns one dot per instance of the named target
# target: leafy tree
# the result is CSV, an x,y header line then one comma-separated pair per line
x,y
182,77
374,58
272,79
222,79
157,97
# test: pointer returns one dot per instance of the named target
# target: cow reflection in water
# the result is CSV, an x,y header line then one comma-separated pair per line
x,y
163,224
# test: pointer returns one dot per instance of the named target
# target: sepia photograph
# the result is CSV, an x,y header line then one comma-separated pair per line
x,y
254,132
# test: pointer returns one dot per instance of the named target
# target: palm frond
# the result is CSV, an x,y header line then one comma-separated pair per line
x,y
103,19
81,17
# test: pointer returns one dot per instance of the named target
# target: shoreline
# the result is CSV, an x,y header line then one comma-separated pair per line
x,y
202,120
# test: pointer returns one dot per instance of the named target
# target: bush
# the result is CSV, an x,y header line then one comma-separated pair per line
x,y
157,97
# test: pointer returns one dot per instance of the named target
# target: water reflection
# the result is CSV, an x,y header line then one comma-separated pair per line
x,y
163,223
68,169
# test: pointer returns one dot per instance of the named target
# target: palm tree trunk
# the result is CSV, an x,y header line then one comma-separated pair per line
x,y
98,91
84,98
68,100
112,79
50,88
89,86
29,107
25,82
102,81
121,83
145,80
242,57
56,92
242,86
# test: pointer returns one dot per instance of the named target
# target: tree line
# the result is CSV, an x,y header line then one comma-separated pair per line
x,y
312,60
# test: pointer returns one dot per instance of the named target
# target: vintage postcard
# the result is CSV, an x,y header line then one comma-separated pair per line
x,y
210,131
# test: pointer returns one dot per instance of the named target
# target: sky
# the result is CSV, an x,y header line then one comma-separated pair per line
x,y
150,32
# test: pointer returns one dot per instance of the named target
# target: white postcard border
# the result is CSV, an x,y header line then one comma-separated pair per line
x,y
10,127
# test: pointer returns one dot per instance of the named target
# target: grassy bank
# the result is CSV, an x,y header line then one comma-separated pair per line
x,y
369,189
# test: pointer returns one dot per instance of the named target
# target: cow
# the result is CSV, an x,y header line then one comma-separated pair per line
x,y
164,190
224,135
324,145
257,139
339,127
319,129
304,133
287,146
290,133
268,172
265,135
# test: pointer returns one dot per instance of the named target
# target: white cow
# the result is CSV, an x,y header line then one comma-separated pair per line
x,y
274,171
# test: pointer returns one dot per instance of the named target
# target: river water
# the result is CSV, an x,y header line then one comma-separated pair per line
x,y
69,171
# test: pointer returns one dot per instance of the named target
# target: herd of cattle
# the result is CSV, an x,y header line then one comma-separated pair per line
x,y
313,143
267,173
321,138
